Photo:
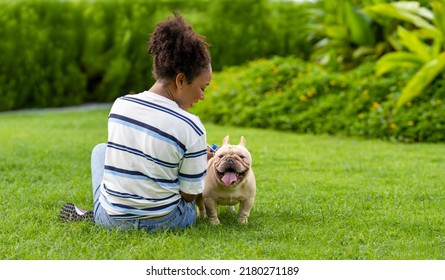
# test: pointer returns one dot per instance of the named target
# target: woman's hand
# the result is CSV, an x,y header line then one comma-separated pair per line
x,y
211,151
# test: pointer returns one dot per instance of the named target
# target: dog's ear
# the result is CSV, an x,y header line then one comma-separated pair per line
x,y
225,140
242,141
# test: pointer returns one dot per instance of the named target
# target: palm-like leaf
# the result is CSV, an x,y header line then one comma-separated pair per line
x,y
359,25
396,60
439,19
422,79
422,47
413,43
407,11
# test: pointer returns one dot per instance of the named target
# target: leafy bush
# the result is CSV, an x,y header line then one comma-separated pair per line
x,y
286,93
240,31
57,53
38,64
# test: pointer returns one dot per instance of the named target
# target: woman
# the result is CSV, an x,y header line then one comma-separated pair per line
x,y
153,166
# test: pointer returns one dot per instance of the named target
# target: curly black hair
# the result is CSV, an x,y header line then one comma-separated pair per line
x,y
176,48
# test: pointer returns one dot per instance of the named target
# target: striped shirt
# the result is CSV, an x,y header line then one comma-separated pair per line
x,y
155,149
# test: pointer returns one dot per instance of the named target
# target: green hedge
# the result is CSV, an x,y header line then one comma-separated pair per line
x,y
286,93
57,53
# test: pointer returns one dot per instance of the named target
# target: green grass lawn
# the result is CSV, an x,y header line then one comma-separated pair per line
x,y
318,197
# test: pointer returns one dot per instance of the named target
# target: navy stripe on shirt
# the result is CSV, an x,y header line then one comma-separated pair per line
x,y
156,208
150,128
165,110
140,153
134,174
133,196
193,176
195,154
147,210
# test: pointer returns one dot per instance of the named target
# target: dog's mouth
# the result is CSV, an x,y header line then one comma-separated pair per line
x,y
230,177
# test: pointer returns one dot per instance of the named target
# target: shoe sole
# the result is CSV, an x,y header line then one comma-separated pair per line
x,y
68,213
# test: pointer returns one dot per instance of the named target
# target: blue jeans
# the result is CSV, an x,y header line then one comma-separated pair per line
x,y
182,216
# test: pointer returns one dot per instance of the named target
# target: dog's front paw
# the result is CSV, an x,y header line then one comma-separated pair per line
x,y
214,221
242,220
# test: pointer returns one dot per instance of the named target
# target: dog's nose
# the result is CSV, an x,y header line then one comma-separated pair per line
x,y
230,159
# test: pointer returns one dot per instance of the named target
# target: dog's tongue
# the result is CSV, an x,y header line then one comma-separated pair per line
x,y
229,178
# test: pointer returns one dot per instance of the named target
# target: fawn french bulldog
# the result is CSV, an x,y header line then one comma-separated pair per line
x,y
229,181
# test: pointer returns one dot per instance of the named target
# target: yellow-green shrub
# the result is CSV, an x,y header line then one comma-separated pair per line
x,y
286,93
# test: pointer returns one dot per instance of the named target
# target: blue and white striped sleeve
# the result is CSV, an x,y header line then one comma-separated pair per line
x,y
192,169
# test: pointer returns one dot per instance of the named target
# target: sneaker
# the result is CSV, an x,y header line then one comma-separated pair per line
x,y
70,213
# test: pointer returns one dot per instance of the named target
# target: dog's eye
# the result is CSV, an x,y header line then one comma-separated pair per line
x,y
241,156
221,156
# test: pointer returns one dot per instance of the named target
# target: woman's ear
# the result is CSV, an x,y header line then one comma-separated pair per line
x,y
180,80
